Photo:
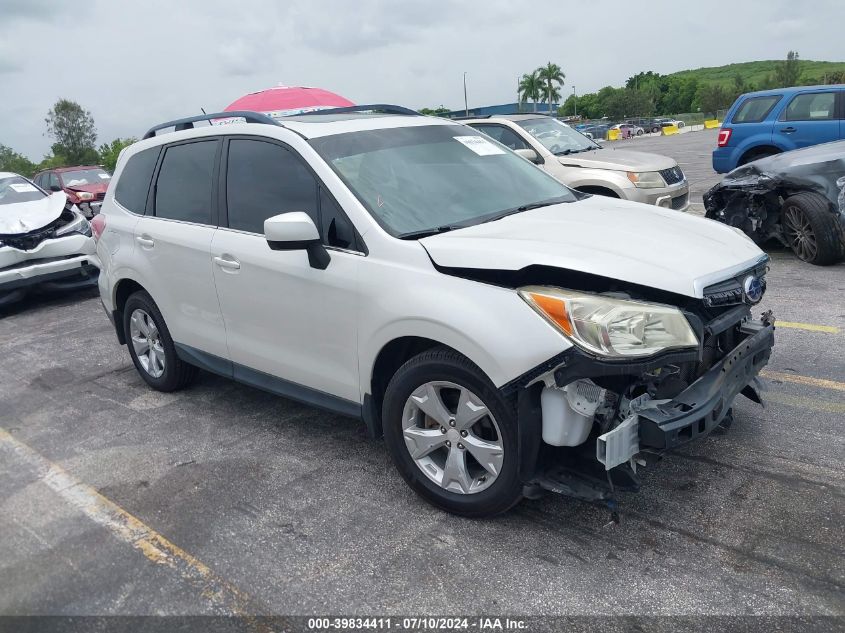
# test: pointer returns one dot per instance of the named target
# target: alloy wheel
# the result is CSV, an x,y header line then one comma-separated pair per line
x,y
146,341
452,437
799,233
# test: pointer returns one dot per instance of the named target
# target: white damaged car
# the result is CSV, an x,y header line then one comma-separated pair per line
x,y
44,241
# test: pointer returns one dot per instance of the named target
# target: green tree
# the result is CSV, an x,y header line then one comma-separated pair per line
x,y
788,72
552,77
438,111
712,98
110,151
530,87
74,132
626,102
10,160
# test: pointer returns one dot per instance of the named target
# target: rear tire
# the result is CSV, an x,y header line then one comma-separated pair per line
x,y
151,347
811,229
442,406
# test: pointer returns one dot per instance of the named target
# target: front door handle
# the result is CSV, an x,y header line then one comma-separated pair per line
x,y
145,241
787,130
230,264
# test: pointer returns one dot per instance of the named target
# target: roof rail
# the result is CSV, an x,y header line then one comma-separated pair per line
x,y
386,108
188,122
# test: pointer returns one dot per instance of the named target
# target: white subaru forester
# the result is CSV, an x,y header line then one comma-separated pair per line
x,y
505,334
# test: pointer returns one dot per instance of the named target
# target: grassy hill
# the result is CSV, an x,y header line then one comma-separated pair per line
x,y
755,72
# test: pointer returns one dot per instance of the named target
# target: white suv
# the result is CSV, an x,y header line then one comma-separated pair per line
x,y
505,334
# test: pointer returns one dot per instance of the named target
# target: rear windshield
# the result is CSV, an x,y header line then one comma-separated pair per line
x,y
16,189
755,109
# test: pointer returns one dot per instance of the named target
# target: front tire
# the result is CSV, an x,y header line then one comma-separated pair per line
x,y
151,347
452,435
811,229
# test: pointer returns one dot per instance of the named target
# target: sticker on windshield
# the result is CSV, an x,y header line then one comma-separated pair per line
x,y
23,187
104,176
479,145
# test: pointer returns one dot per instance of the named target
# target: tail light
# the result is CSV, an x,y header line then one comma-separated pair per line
x,y
98,225
724,136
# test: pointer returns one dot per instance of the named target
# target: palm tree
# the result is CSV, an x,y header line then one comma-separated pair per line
x,y
530,87
552,77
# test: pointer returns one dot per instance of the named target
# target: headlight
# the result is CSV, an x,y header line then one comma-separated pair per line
x,y
84,195
646,179
77,225
611,327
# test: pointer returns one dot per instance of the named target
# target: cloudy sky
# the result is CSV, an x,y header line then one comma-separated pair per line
x,y
133,64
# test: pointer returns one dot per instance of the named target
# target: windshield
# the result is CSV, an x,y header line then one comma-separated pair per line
x,y
16,189
84,177
425,178
558,137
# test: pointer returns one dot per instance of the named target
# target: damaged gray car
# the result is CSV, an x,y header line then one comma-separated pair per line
x,y
797,198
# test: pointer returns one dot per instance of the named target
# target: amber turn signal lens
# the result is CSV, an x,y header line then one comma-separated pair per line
x,y
554,309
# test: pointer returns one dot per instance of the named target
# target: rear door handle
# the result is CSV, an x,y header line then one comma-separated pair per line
x,y
230,264
787,130
145,241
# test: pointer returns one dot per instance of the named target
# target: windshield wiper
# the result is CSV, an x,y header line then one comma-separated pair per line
x,y
526,207
416,235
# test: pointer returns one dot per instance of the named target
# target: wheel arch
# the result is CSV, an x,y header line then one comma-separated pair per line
x,y
392,355
123,289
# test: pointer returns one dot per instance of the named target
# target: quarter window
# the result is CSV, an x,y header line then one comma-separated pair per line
x,y
755,109
336,228
184,186
815,106
134,182
263,180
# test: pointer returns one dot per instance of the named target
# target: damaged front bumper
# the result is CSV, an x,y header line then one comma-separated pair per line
x,y
646,425
61,263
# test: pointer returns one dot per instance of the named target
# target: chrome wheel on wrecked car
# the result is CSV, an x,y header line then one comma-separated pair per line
x,y
799,232
146,341
452,437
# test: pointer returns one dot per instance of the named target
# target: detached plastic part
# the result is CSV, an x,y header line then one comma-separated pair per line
x,y
568,412
619,445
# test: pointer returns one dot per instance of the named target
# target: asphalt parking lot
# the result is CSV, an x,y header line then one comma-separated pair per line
x,y
220,499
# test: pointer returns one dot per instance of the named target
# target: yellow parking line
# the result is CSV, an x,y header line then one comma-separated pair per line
x,y
812,327
223,597
799,402
804,380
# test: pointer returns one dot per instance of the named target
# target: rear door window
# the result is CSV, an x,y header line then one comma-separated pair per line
x,y
185,182
755,109
814,106
134,183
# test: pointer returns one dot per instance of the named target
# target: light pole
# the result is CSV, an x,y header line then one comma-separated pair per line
x,y
574,102
466,107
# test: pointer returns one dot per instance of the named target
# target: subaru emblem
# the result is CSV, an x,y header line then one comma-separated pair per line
x,y
753,287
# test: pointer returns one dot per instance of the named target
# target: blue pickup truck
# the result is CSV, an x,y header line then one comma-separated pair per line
x,y
768,122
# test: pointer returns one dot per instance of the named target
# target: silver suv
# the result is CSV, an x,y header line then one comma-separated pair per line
x,y
583,164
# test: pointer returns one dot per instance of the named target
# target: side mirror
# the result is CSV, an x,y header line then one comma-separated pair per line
x,y
55,188
296,231
529,154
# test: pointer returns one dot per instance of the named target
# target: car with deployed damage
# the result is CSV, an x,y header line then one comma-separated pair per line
x,y
587,166
85,186
797,198
505,334
44,241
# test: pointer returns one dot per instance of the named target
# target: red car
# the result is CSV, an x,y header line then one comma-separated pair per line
x,y
85,186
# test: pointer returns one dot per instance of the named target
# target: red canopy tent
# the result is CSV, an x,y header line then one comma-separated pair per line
x,y
288,100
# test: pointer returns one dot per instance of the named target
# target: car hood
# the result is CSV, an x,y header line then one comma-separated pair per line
x,y
618,239
94,187
618,159
23,217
